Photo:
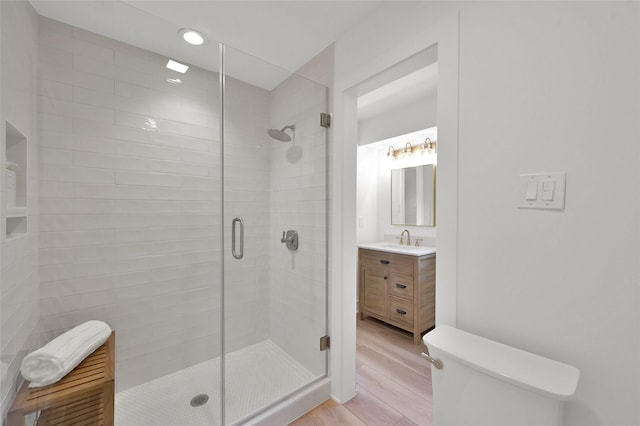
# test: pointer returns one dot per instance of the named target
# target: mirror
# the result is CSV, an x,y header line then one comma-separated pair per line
x,y
413,191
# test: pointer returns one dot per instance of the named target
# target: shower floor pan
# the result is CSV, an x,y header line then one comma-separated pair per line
x,y
256,376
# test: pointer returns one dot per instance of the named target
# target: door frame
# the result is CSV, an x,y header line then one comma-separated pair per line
x,y
342,365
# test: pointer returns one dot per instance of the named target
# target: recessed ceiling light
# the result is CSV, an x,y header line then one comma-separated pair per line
x,y
191,36
177,66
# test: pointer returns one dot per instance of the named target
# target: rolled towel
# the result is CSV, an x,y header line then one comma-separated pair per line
x,y
57,358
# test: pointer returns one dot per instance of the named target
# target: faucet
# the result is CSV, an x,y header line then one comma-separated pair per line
x,y
408,237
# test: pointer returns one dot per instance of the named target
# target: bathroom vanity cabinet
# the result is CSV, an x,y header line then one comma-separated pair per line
x,y
398,289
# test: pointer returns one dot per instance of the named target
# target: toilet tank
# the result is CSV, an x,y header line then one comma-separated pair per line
x,y
486,383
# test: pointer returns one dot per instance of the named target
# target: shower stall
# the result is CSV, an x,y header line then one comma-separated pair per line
x,y
166,208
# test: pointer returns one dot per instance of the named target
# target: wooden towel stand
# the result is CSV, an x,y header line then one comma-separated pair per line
x,y
82,397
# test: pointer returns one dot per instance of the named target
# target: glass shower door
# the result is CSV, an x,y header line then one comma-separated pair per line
x,y
275,249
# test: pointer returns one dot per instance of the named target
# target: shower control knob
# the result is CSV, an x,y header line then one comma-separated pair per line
x,y
290,238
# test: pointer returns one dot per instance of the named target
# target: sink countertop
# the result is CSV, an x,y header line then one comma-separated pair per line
x,y
397,248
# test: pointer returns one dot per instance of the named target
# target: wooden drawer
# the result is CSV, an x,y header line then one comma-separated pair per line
x,y
391,261
401,285
401,311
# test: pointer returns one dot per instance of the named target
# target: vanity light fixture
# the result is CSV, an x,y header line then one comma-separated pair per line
x,y
177,66
191,36
408,149
429,146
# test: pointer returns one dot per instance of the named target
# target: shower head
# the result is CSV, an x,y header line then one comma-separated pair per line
x,y
281,135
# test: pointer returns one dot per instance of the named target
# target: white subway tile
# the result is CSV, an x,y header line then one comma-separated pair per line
x,y
145,178
56,289
56,123
92,66
95,283
112,192
126,221
184,246
49,222
56,189
55,90
82,222
89,269
151,234
183,220
130,278
58,157
92,253
75,78
52,25
54,256
143,206
55,239
89,238
75,174
93,144
75,206
56,272
183,194
83,127
147,122
78,47
55,106
56,57
147,151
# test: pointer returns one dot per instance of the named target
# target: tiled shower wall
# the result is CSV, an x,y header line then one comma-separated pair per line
x,y
19,269
298,201
130,206
130,200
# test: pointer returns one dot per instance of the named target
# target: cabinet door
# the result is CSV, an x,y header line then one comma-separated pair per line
x,y
375,291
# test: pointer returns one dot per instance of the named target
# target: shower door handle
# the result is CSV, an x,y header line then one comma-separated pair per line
x,y
234,222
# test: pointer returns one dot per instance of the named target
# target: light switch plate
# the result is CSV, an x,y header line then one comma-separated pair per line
x,y
555,182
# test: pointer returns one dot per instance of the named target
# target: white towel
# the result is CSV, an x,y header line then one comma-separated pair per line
x,y
57,358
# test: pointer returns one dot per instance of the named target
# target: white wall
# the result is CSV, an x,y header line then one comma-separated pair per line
x,y
417,115
542,87
19,268
554,88
129,201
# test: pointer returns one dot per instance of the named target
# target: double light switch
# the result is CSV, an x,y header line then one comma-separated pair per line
x,y
542,191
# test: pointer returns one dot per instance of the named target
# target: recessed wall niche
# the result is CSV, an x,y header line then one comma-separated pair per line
x,y
16,182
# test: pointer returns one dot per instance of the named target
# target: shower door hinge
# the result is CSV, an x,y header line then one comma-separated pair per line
x,y
325,343
325,119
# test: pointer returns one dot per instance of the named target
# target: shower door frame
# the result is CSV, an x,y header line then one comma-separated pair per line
x,y
317,390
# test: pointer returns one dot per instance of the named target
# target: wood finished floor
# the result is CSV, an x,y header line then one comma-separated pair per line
x,y
393,383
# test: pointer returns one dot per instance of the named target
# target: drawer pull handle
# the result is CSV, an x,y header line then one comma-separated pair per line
x,y
401,312
402,286
385,277
384,262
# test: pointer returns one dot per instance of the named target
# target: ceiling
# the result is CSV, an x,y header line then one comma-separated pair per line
x,y
266,40
418,85
282,33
